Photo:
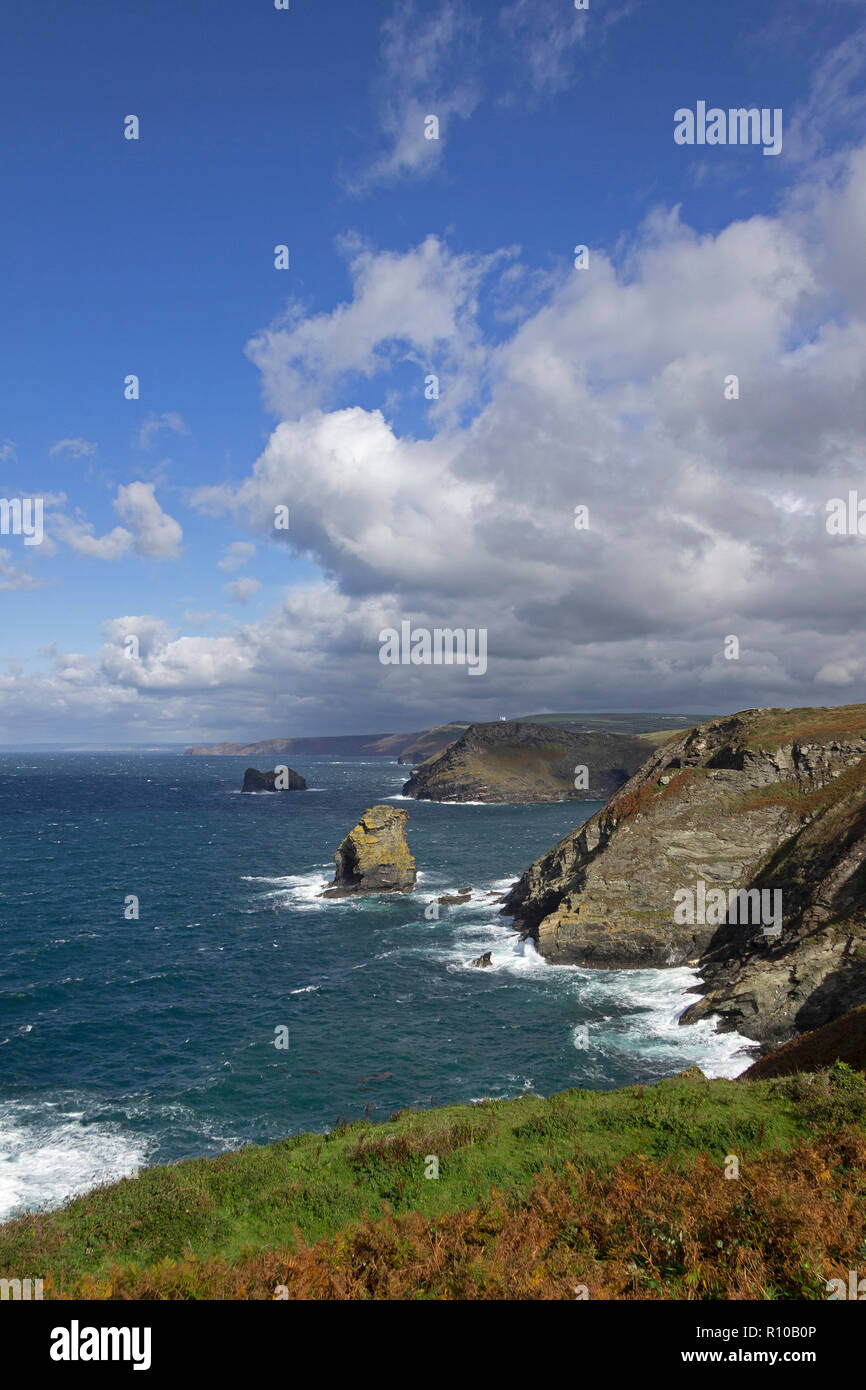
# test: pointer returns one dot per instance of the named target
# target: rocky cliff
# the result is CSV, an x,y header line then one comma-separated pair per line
x,y
375,856
517,761
772,802
436,740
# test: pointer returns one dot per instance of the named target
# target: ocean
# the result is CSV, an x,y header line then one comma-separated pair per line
x,y
126,1042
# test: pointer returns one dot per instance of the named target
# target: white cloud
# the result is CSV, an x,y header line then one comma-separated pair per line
x,y
78,448
236,556
707,515
78,535
545,37
426,69
157,424
833,116
242,590
156,534
149,531
12,576
420,306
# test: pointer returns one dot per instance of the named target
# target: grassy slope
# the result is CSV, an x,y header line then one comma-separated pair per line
x,y
651,724
235,1225
776,728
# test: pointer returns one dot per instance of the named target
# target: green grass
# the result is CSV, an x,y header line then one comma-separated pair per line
x,y
317,1186
656,737
651,725
777,728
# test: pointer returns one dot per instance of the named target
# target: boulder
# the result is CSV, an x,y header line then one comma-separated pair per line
x,y
483,961
375,856
281,779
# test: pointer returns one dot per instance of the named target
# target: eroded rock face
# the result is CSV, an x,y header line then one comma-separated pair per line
x,y
517,761
375,856
765,799
282,780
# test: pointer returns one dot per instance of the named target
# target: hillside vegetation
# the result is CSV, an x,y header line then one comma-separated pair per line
x,y
524,762
622,1192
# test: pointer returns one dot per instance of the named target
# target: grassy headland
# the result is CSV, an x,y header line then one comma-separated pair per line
x,y
622,1192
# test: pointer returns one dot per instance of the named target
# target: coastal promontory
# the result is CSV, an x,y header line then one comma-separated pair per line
x,y
739,847
519,761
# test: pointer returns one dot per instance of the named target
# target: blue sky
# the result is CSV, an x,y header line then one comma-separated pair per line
x,y
261,127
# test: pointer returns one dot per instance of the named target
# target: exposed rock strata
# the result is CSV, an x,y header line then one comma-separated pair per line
x,y
375,856
521,761
765,799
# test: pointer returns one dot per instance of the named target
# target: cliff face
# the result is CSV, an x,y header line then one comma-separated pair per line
x,y
517,761
375,856
766,800
436,740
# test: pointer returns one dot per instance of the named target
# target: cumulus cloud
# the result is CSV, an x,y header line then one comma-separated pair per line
x,y
155,534
149,531
707,515
242,590
78,534
419,306
236,555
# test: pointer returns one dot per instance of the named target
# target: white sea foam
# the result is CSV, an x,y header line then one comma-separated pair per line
x,y
423,801
47,1155
629,1014
300,891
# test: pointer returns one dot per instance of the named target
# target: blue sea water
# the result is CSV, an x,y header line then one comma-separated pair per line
x,y
127,1042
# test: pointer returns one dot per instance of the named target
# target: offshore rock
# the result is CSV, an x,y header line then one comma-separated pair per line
x,y
282,780
375,856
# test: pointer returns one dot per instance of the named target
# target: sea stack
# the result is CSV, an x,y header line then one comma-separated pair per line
x,y
375,856
281,779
